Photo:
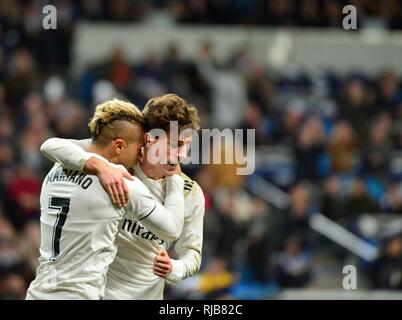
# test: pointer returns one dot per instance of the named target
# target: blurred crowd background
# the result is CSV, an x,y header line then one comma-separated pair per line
x,y
330,143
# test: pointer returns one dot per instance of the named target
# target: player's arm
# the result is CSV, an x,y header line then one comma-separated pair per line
x,y
166,221
71,154
188,247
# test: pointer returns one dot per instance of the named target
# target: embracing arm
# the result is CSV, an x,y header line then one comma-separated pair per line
x,y
72,154
166,221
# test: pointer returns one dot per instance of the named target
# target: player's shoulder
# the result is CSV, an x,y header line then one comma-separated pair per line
x,y
136,185
191,187
54,173
56,166
188,182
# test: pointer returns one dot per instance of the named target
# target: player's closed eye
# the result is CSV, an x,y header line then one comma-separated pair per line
x,y
176,145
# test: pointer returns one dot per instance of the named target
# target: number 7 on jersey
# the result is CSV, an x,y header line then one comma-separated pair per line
x,y
63,207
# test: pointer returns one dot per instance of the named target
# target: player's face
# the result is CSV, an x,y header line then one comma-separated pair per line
x,y
176,151
132,152
171,152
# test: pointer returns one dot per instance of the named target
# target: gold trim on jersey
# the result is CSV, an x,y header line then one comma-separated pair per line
x,y
188,184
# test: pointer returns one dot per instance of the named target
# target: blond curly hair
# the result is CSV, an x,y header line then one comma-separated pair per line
x,y
111,120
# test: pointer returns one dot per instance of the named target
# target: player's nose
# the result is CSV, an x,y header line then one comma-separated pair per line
x,y
182,153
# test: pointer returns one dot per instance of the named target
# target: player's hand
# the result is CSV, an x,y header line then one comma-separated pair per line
x,y
162,264
177,170
111,179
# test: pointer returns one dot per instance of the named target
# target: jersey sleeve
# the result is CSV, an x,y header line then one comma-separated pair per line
x,y
166,221
189,245
70,154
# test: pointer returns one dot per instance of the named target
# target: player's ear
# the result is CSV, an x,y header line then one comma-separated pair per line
x,y
119,145
149,139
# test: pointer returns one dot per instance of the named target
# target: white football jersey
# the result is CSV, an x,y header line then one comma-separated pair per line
x,y
78,229
131,275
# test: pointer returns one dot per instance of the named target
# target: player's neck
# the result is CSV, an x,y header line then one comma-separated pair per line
x,y
150,170
104,152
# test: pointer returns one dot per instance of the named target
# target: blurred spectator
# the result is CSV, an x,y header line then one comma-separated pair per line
x,y
310,149
279,12
182,76
6,155
359,200
12,287
211,223
151,75
224,167
263,239
23,77
214,282
309,14
260,89
29,247
333,11
175,78
103,90
68,119
216,279
295,221
254,119
23,192
228,91
11,260
356,106
386,272
120,71
290,122
389,95
333,203
233,209
92,9
152,66
377,151
392,200
293,265
120,10
342,148
34,132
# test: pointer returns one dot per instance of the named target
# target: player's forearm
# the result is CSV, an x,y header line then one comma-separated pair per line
x,y
69,153
189,245
174,203
94,165
167,221
184,267
189,249
174,199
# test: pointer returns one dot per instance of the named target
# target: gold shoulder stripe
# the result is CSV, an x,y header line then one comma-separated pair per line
x,y
188,184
